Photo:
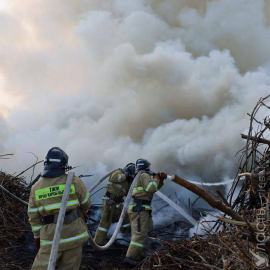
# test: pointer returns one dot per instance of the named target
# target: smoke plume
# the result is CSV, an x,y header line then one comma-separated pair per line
x,y
171,81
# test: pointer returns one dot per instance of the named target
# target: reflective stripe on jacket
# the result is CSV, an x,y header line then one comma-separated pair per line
x,y
145,189
45,199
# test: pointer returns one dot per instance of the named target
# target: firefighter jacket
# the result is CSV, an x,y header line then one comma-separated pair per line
x,y
45,199
118,184
145,189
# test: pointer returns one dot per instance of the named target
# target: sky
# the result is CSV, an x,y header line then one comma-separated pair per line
x,y
112,81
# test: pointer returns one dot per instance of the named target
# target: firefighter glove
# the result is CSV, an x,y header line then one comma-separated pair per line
x,y
162,176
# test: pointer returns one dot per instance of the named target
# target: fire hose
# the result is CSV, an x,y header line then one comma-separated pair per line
x,y
101,180
126,203
125,206
119,224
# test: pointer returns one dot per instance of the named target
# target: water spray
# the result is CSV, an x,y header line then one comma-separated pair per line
x,y
214,184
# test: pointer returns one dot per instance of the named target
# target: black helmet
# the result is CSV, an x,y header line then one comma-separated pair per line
x,y
142,164
130,169
55,163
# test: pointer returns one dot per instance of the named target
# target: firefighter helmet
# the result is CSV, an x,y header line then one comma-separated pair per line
x,y
129,169
143,164
55,163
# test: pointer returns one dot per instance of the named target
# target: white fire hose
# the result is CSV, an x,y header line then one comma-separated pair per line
x,y
126,203
179,209
101,180
119,224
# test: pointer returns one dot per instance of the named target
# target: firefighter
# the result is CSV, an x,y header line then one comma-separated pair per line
x,y
140,209
117,187
44,205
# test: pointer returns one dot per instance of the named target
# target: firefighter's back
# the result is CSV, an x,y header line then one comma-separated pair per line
x,y
46,196
43,209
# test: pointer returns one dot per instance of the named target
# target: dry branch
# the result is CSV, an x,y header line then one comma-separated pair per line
x,y
255,139
13,196
207,197
196,263
243,224
6,156
29,168
220,195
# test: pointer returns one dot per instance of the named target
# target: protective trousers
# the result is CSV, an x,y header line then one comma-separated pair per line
x,y
66,260
110,214
138,238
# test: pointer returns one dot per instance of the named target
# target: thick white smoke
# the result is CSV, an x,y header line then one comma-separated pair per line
x,y
113,81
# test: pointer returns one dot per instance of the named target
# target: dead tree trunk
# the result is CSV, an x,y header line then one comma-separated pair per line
x,y
207,197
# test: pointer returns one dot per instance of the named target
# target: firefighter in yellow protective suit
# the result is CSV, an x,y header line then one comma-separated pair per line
x,y
44,205
117,187
140,209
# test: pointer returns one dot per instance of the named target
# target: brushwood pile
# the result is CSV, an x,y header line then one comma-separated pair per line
x,y
14,226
